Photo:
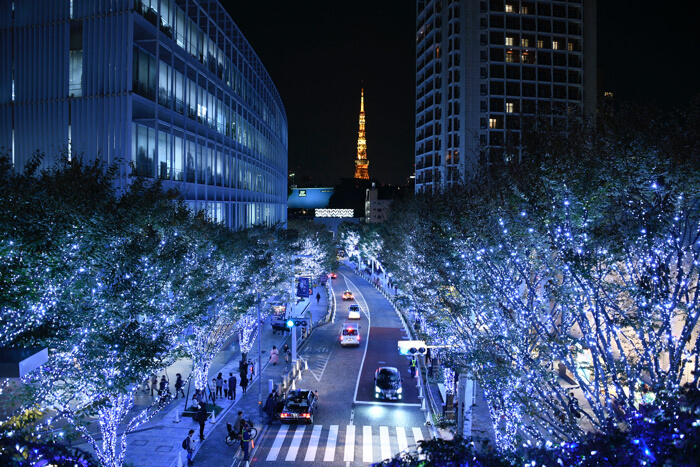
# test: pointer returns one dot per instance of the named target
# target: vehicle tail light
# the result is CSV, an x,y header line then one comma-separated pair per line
x,y
305,415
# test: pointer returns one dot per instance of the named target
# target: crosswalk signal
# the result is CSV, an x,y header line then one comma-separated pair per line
x,y
291,323
412,347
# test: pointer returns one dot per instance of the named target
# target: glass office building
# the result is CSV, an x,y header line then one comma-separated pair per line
x,y
164,88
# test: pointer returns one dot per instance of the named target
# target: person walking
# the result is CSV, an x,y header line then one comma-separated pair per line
x,y
244,382
201,418
189,447
287,353
164,387
198,397
231,387
154,384
413,367
219,385
179,383
271,406
274,355
318,298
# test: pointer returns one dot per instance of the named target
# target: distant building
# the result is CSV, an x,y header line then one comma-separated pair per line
x,y
376,210
483,67
361,163
168,87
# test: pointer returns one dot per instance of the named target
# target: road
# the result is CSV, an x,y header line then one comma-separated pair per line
x,y
350,427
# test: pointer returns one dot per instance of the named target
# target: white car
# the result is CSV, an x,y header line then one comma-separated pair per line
x,y
354,311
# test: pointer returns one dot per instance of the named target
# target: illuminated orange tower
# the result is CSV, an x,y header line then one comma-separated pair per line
x,y
361,163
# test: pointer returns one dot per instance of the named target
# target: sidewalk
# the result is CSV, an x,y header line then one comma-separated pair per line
x,y
158,443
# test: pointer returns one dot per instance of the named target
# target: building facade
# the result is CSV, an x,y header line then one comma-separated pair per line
x,y
483,67
376,210
164,88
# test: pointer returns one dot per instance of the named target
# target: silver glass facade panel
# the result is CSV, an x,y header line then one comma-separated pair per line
x,y
168,87
484,66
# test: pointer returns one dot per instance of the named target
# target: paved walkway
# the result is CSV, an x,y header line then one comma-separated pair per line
x,y
158,443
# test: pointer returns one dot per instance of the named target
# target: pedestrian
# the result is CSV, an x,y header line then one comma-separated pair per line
x,y
213,394
189,446
164,386
231,387
238,422
219,385
574,408
245,441
318,298
154,384
287,353
271,406
274,355
201,418
179,383
244,382
413,366
252,371
198,397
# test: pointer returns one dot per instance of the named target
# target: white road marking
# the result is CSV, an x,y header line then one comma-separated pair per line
x,y
401,438
349,455
384,442
296,442
329,456
367,444
277,445
313,444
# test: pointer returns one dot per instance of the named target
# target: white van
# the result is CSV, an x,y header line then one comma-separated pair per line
x,y
350,334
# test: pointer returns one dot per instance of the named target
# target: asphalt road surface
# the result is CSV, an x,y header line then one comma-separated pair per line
x,y
350,427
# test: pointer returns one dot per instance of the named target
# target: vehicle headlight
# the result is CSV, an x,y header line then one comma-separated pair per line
x,y
376,389
399,390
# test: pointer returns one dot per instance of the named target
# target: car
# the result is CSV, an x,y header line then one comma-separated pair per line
x,y
334,275
387,383
347,295
350,334
354,311
300,405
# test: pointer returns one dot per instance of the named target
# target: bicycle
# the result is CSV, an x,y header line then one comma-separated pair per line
x,y
234,437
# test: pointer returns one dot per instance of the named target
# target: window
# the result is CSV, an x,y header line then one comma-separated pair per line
x,y
523,10
571,46
555,45
510,107
493,123
525,42
540,44
509,8
510,57
509,41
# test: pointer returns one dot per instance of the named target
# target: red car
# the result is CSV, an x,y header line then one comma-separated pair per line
x,y
333,275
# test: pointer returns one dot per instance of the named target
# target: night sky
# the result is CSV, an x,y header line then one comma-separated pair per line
x,y
319,55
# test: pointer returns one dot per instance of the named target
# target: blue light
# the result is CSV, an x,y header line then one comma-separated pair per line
x,y
290,323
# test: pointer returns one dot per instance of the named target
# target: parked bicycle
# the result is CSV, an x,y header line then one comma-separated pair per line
x,y
234,437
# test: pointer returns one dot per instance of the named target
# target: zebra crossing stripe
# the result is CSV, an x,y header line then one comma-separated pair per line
x,y
330,444
296,442
349,444
313,444
401,438
385,443
367,444
277,445
417,435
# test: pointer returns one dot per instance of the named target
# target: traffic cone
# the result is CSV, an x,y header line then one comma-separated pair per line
x,y
306,364
179,459
420,392
423,408
213,417
177,416
294,385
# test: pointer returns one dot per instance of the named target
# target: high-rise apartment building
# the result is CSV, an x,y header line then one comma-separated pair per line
x,y
483,67
170,87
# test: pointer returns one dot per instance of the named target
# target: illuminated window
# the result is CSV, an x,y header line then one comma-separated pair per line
x,y
540,44
510,57
510,107
523,10
509,8
201,111
493,123
571,46
608,94
525,42
510,41
555,45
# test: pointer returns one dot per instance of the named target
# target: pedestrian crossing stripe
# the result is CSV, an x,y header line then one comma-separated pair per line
x,y
383,441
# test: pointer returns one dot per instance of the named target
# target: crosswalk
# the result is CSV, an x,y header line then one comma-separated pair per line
x,y
348,443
